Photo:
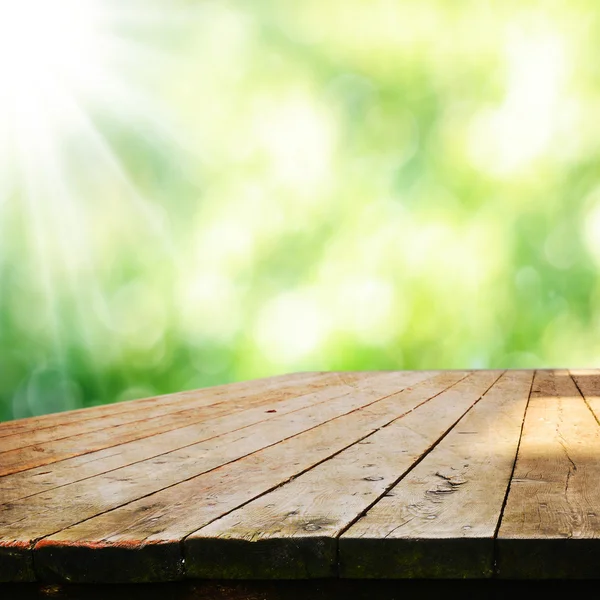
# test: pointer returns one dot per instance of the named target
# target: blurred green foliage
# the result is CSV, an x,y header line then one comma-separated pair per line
x,y
335,185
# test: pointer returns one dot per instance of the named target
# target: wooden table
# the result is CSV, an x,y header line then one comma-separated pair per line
x,y
360,475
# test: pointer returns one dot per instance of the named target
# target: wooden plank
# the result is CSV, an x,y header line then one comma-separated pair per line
x,y
168,405
439,521
155,524
588,383
291,532
83,414
169,418
44,514
205,426
550,525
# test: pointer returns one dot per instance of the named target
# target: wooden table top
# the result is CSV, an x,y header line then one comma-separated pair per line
x,y
383,474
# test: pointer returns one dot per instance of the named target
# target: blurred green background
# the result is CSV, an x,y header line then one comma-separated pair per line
x,y
194,193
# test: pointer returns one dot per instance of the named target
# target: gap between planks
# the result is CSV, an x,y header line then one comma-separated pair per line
x,y
274,534
250,414
551,525
40,519
93,412
171,517
151,415
545,389
477,558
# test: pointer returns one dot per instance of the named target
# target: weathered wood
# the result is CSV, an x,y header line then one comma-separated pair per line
x,y
181,422
551,521
207,423
35,441
162,519
291,532
241,425
338,475
588,384
237,390
47,513
439,521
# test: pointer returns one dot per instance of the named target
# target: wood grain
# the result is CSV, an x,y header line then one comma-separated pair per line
x,y
439,521
315,475
160,521
551,523
238,389
291,532
169,419
49,512
170,407
206,424
588,384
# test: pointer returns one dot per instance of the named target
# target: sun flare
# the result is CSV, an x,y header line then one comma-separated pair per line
x,y
51,53
63,65
67,69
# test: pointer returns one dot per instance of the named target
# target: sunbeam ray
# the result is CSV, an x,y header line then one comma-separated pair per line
x,y
150,214
32,176
72,61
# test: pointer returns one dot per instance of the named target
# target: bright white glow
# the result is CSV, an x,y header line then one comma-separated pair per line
x,y
368,307
62,63
298,139
523,127
291,326
48,50
46,39
227,242
209,305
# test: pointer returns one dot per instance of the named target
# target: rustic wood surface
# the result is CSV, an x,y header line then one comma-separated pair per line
x,y
441,518
364,475
554,507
